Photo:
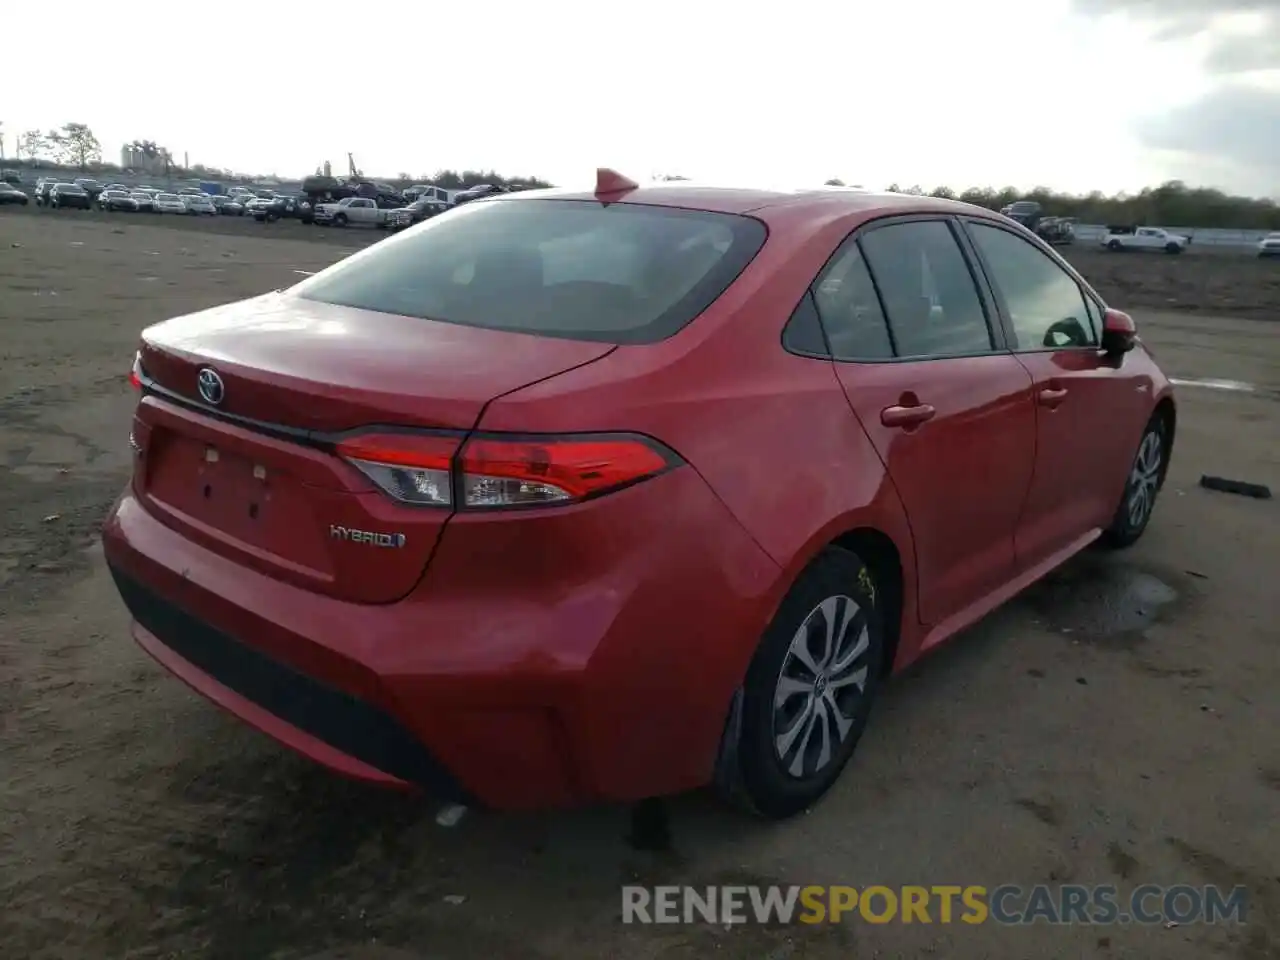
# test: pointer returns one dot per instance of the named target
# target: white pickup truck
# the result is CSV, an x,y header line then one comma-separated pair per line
x,y
1118,239
351,211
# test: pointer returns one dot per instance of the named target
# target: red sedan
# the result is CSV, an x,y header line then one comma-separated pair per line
x,y
574,496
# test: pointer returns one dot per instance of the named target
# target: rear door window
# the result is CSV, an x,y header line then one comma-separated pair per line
x,y
618,273
850,309
927,290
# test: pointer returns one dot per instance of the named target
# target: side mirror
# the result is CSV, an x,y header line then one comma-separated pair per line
x,y
1119,332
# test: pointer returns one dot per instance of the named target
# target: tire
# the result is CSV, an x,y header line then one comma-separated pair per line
x,y
1172,248
340,220
778,753
1146,478
1114,246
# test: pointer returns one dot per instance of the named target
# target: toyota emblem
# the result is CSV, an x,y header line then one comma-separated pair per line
x,y
210,385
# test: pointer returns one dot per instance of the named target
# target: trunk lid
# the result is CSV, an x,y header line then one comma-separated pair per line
x,y
259,486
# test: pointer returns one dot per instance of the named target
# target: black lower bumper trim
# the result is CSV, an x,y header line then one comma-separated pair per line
x,y
344,722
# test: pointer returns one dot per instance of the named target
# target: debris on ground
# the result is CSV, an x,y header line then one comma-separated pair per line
x,y
451,815
1256,490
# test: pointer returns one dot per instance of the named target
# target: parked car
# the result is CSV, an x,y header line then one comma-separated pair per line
x,y
478,192
168,203
200,205
1025,212
351,211
70,195
421,209
553,573
1059,231
1122,239
144,200
275,208
10,194
227,206
258,208
112,200
420,191
89,185
44,187
1269,246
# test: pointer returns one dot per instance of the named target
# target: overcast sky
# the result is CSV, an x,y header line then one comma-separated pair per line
x,y
1075,94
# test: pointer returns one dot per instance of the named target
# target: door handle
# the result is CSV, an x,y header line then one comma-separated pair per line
x,y
1052,396
899,416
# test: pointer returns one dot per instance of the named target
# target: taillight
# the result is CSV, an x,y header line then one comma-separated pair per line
x,y
135,374
411,467
500,472
494,471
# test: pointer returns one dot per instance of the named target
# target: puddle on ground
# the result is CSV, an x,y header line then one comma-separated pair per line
x,y
1092,600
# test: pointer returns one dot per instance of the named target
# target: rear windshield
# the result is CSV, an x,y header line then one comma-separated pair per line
x,y
617,273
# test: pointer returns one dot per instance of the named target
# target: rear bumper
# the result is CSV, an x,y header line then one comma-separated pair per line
x,y
343,731
609,680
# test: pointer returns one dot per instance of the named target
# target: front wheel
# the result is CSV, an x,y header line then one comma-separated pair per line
x,y
1114,246
340,220
1146,477
809,689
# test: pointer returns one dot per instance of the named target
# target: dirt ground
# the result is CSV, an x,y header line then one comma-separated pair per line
x,y
1116,724
1222,281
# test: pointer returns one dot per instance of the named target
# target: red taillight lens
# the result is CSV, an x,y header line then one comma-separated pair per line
x,y
501,472
411,467
494,471
135,374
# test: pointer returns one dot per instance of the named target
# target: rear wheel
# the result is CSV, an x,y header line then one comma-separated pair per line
x,y
810,687
1172,248
1146,477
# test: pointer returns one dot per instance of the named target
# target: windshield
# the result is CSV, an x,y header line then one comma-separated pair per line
x,y
68,188
171,197
617,273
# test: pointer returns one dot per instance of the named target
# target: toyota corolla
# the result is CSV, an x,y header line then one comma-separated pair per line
x,y
577,496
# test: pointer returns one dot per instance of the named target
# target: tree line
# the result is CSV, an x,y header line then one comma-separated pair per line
x,y
461,179
72,145
1171,204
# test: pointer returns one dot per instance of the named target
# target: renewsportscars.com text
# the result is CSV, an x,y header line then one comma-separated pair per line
x,y
1007,905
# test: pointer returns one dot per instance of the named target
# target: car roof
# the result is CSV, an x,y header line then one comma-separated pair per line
x,y
822,203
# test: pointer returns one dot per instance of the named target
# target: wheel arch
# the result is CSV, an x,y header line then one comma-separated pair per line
x,y
881,555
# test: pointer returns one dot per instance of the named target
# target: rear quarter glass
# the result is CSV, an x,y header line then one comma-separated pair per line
x,y
576,269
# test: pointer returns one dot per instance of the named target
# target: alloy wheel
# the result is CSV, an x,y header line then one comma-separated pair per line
x,y
1144,479
820,687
